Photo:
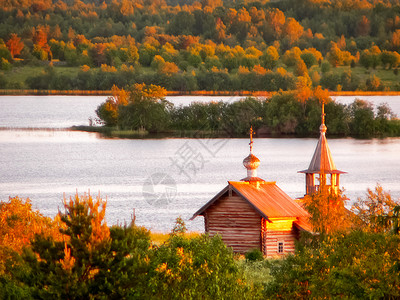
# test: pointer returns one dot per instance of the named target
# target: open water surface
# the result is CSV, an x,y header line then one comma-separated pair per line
x,y
160,179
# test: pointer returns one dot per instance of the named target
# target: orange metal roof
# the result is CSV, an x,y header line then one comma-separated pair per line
x,y
303,224
266,198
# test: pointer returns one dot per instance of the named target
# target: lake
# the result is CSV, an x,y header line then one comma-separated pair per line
x,y
160,179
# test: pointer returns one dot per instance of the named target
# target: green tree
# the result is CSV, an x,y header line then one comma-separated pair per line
x,y
356,265
371,57
362,115
309,59
390,59
197,268
182,24
374,213
146,109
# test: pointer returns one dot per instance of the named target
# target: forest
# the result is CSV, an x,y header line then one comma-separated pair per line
x,y
353,253
222,45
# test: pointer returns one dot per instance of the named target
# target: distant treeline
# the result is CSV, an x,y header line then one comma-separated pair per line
x,y
143,108
210,80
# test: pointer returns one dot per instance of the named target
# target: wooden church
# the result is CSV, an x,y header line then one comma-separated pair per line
x,y
253,213
256,214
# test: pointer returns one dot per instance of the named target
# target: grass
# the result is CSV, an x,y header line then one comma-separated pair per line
x,y
387,76
19,74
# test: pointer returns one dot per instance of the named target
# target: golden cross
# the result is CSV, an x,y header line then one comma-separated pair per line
x,y
251,139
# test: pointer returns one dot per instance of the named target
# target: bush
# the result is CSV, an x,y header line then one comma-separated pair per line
x,y
254,255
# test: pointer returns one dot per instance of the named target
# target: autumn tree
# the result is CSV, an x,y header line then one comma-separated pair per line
x,y
293,30
220,28
363,26
276,20
270,57
328,213
41,48
108,111
168,68
338,57
375,212
132,53
373,83
303,90
158,62
341,42
300,69
147,53
395,40
20,223
15,45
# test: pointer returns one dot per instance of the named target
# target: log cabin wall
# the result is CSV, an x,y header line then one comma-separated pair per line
x,y
238,223
279,237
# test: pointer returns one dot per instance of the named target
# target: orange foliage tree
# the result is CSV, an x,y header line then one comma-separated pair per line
x,y
328,213
19,224
15,45
293,30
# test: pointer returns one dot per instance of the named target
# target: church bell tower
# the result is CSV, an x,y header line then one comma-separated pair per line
x,y
322,169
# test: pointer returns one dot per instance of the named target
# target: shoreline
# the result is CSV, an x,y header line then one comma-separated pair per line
x,y
30,92
113,133
108,132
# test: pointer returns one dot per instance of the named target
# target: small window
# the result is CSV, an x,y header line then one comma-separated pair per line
x,y
280,247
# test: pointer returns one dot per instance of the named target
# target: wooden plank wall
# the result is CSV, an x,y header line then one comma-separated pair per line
x,y
279,231
236,221
274,237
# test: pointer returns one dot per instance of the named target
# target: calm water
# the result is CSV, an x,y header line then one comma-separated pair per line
x,y
159,179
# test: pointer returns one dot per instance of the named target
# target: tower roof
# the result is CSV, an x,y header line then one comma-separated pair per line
x,y
322,161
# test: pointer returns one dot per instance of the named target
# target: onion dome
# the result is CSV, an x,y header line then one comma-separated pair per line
x,y
251,163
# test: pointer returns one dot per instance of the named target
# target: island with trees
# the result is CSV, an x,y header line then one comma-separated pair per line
x,y
140,110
